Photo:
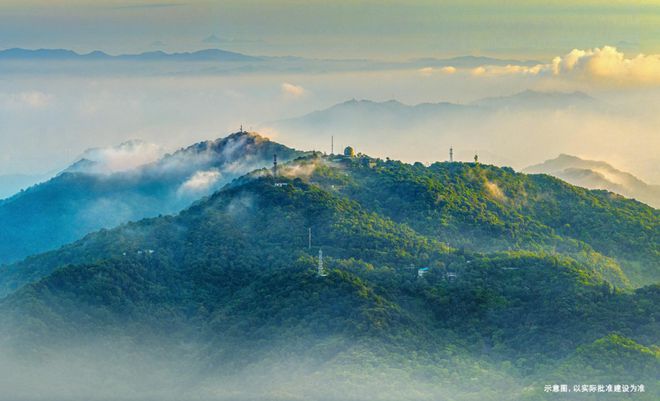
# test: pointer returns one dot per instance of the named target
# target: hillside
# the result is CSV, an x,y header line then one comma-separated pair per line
x,y
598,175
229,288
485,208
475,207
88,196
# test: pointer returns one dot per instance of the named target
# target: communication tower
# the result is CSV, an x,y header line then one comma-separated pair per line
x,y
320,271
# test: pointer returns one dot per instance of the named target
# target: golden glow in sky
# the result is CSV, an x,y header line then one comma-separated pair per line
x,y
385,29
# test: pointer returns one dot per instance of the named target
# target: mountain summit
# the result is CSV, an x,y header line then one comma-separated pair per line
x,y
598,175
81,199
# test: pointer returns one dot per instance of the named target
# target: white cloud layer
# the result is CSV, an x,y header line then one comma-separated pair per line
x,y
26,100
123,157
608,64
602,66
200,181
292,90
428,71
497,70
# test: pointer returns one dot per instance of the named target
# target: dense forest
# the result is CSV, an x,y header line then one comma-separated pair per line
x,y
456,281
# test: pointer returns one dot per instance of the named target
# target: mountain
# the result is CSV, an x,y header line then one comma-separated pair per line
x,y
69,55
95,193
530,100
367,114
223,301
211,62
12,183
598,175
377,114
476,207
426,131
224,55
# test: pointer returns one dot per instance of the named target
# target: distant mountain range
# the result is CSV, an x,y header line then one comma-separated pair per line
x,y
210,61
358,113
598,175
224,55
70,55
427,130
92,193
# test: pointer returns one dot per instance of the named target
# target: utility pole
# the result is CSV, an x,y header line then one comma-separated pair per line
x,y
451,154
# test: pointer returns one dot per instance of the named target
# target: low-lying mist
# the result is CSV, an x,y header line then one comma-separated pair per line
x,y
111,369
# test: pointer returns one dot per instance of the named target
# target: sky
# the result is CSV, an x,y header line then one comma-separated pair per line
x,y
609,50
386,29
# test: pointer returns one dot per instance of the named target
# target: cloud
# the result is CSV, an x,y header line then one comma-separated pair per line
x,y
603,66
608,64
123,157
497,70
448,70
428,71
27,99
291,90
201,181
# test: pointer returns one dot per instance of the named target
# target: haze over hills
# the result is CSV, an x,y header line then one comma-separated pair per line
x,y
213,61
426,131
125,156
530,100
514,296
598,175
96,193
70,55
369,112
213,54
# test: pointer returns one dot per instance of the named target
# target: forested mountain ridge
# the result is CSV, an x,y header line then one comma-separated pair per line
x,y
74,203
486,208
229,288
